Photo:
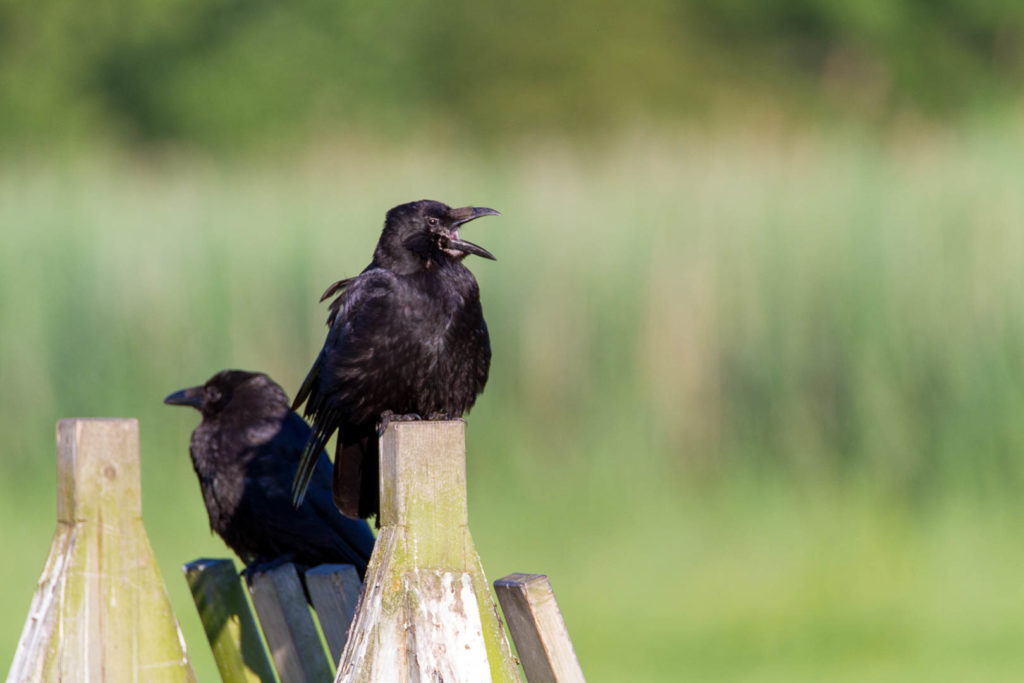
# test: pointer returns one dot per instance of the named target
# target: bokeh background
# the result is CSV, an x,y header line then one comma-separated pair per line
x,y
758,320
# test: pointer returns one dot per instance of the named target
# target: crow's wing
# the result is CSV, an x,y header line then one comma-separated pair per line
x,y
339,389
313,533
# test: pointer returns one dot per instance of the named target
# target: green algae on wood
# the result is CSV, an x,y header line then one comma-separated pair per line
x,y
426,610
100,611
228,621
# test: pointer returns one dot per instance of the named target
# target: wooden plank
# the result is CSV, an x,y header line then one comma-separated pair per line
x,y
288,626
426,609
334,590
101,610
538,630
228,621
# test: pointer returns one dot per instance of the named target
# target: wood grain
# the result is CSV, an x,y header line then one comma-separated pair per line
x,y
228,621
100,611
538,630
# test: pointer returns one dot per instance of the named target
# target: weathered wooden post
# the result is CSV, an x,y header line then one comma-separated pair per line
x,y
280,603
291,633
538,630
228,621
426,612
100,611
334,589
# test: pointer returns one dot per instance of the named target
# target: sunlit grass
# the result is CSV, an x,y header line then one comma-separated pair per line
x,y
754,405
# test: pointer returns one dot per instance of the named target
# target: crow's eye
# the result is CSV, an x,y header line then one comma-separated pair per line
x,y
212,394
433,221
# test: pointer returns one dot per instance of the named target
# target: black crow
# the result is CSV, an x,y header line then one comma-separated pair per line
x,y
245,452
406,338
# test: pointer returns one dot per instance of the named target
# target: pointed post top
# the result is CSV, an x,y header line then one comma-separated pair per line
x,y
98,469
423,474
426,612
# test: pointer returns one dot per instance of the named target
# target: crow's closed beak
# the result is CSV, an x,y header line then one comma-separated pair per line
x,y
193,396
462,216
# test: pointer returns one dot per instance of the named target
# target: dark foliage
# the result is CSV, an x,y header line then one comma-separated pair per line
x,y
223,74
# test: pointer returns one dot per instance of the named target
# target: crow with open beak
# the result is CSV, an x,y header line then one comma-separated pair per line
x,y
406,338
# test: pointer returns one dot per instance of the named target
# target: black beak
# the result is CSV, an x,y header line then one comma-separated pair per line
x,y
467,248
469,213
462,216
193,396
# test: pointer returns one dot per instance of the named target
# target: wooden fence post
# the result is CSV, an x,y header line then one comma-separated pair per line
x,y
426,612
538,629
334,590
288,626
228,621
100,611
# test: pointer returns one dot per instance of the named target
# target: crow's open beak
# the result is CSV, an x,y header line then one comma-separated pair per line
x,y
469,213
462,216
193,396
467,248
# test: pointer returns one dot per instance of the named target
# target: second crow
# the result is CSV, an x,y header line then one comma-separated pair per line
x,y
245,452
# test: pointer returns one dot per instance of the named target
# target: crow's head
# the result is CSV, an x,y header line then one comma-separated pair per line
x,y
425,231
253,390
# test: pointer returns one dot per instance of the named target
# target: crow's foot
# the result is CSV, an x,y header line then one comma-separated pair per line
x,y
387,417
262,566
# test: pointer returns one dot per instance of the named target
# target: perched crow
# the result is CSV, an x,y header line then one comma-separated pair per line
x,y
245,453
407,339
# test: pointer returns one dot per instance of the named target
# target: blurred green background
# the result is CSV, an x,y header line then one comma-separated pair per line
x,y
757,317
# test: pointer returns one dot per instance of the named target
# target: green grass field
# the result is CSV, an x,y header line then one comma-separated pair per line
x,y
755,405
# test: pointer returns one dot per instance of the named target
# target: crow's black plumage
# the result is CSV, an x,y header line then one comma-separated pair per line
x,y
245,452
406,336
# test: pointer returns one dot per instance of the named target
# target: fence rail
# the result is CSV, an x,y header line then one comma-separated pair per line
x,y
425,611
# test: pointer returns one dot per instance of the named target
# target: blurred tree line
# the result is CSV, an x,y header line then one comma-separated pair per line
x,y
233,74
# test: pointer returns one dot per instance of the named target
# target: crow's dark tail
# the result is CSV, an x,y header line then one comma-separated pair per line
x,y
322,432
356,487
